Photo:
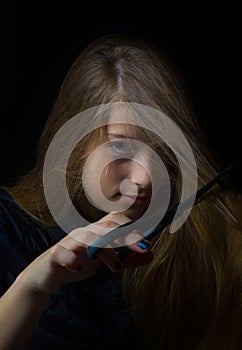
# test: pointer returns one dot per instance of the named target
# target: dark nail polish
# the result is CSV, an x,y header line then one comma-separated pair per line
x,y
143,244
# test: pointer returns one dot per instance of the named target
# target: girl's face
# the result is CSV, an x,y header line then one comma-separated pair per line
x,y
118,176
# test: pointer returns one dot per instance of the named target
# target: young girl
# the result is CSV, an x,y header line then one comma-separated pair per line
x,y
181,292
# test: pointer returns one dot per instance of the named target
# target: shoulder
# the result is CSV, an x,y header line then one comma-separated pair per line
x,y
12,217
8,212
6,200
22,238
19,230
11,222
11,259
20,223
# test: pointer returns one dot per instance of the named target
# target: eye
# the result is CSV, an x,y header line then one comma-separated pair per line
x,y
121,147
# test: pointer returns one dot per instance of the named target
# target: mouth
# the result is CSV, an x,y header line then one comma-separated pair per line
x,y
137,200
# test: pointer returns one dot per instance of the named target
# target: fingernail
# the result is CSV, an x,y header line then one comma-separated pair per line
x,y
143,244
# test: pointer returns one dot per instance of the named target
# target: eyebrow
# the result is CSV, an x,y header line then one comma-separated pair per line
x,y
114,135
117,135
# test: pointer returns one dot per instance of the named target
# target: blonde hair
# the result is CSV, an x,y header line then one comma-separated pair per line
x,y
189,296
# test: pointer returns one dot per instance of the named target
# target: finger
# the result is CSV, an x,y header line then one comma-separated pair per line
x,y
110,258
61,256
89,234
77,266
136,260
135,241
117,218
79,238
142,246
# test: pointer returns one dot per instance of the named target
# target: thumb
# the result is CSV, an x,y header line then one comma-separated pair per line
x,y
63,257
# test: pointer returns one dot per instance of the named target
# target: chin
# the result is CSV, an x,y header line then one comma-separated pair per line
x,y
133,214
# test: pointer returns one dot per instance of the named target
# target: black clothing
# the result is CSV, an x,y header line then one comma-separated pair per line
x,y
89,314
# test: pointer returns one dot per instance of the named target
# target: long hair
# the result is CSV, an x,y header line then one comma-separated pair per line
x,y
189,296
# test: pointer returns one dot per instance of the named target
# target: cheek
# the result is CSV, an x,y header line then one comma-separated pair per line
x,y
111,175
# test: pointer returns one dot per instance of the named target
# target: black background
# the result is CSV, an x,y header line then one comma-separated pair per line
x,y
41,40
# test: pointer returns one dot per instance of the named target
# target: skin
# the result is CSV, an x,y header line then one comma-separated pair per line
x,y
67,261
125,181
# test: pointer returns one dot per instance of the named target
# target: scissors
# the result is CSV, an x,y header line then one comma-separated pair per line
x,y
152,232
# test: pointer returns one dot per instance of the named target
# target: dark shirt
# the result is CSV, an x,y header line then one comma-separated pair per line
x,y
89,314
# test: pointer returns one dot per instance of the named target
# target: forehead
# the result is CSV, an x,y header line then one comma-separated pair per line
x,y
121,130
120,116
125,121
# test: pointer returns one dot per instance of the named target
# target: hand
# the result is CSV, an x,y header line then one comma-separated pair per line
x,y
141,256
67,260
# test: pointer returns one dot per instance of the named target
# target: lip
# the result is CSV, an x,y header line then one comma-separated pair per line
x,y
137,200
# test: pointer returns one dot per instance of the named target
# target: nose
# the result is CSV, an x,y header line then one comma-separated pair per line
x,y
139,174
